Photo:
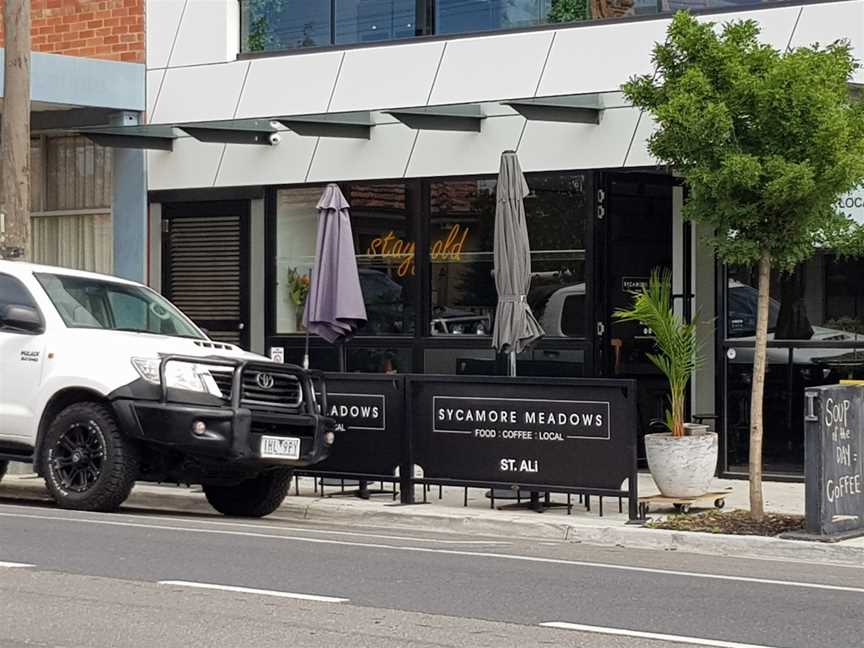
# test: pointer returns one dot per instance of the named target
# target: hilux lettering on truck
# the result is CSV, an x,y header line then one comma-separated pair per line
x,y
107,383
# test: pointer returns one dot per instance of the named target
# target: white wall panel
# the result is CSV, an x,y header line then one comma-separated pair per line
x,y
285,163
383,156
201,93
599,58
639,155
163,18
397,76
209,33
454,153
494,67
549,145
289,85
153,79
190,164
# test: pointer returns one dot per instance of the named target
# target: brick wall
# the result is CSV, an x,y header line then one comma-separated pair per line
x,y
103,29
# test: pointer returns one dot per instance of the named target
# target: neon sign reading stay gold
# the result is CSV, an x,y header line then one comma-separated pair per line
x,y
391,246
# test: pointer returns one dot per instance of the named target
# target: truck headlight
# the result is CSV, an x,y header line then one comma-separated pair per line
x,y
178,375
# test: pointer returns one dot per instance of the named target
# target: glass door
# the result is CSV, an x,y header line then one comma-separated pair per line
x,y
636,237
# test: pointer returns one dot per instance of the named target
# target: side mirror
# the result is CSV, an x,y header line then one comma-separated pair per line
x,y
22,318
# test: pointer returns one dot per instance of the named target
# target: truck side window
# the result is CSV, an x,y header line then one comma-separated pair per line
x,y
12,291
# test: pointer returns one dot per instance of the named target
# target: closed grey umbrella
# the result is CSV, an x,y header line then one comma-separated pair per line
x,y
334,308
516,328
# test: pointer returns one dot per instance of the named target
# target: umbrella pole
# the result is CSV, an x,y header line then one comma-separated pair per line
x,y
341,348
512,367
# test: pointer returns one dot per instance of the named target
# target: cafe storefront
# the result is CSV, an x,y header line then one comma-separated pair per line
x,y
424,253
241,140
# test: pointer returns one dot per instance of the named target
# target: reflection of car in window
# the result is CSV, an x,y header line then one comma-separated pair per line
x,y
385,310
742,302
560,309
450,321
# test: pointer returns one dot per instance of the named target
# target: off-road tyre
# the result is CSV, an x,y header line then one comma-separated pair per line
x,y
118,459
3,466
254,497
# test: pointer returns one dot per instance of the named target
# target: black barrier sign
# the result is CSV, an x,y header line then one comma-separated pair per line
x,y
369,414
572,434
520,418
357,411
835,468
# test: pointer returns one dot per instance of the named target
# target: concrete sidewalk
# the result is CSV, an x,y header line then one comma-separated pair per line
x,y
449,514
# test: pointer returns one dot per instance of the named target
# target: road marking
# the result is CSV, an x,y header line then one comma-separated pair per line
x,y
252,590
452,552
13,565
272,527
693,641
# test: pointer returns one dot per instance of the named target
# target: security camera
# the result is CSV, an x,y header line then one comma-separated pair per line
x,y
274,139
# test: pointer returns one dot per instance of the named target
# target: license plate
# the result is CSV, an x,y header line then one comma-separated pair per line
x,y
280,447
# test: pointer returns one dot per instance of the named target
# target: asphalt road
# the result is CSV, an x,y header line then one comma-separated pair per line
x,y
140,578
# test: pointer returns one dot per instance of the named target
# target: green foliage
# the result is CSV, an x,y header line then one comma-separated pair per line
x,y
298,286
766,140
568,11
260,16
676,341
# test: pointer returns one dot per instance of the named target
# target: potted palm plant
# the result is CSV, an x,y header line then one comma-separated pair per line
x,y
682,460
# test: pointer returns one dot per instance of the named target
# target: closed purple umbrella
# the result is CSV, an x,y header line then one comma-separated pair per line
x,y
334,308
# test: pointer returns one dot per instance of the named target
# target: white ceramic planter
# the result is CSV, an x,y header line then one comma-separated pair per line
x,y
682,467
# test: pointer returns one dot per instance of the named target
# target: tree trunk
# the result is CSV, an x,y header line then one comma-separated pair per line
x,y
757,505
15,133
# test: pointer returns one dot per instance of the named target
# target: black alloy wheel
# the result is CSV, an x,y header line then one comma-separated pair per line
x,y
88,464
78,457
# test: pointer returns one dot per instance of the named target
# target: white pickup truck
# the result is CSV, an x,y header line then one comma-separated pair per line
x,y
103,383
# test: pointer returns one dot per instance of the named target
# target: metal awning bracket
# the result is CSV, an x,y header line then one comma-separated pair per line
x,y
157,138
571,110
467,117
346,125
261,132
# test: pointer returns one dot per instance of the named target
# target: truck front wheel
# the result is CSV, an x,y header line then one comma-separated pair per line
x,y
254,497
87,462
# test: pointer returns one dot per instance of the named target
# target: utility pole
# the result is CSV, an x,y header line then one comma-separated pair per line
x,y
15,133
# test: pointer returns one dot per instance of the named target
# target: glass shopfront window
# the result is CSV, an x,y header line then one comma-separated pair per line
x,y
272,25
461,16
384,240
384,244
815,337
431,309
372,21
462,286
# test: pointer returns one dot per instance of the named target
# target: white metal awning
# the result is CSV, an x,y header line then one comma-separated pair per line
x,y
466,117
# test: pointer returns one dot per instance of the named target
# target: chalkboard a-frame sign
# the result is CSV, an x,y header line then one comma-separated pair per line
x,y
834,470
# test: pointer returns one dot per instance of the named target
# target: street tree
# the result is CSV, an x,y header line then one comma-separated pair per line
x,y
766,141
15,132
